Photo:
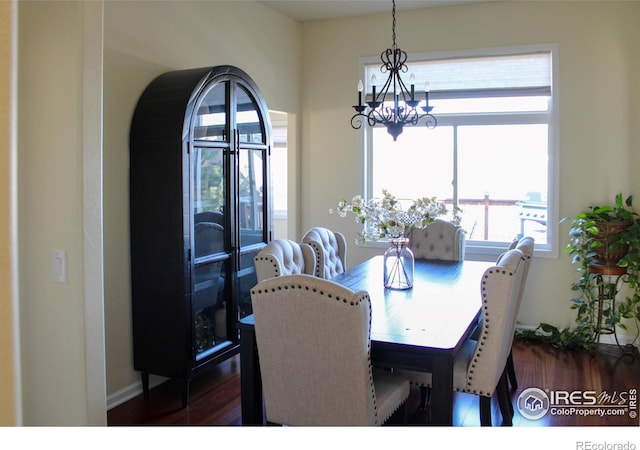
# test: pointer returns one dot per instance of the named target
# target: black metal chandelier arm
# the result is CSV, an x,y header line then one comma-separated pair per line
x,y
386,114
406,93
372,118
381,96
393,114
382,114
394,60
408,116
357,120
430,121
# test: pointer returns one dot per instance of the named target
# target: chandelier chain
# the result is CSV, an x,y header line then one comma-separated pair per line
x,y
393,26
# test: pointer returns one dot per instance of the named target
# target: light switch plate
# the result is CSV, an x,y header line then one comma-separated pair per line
x,y
58,266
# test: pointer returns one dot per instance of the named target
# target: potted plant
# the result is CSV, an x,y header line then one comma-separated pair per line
x,y
600,236
604,242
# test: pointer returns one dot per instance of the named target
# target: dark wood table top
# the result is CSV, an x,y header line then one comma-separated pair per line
x,y
435,313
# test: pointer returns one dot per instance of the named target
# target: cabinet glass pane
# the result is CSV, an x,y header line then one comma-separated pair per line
x,y
208,200
248,118
210,123
210,309
247,279
251,214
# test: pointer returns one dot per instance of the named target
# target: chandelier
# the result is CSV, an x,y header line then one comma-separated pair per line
x,y
403,110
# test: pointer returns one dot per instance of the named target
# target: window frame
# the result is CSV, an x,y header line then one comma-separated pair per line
x,y
478,250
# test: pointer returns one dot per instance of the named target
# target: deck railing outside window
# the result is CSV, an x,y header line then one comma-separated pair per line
x,y
502,220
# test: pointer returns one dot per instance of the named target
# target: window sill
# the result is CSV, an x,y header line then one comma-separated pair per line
x,y
487,252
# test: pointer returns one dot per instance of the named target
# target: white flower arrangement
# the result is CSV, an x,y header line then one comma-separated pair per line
x,y
385,217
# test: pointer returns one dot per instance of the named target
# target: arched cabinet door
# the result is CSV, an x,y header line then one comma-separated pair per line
x,y
200,211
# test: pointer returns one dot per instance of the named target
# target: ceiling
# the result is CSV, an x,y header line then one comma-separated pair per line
x,y
310,10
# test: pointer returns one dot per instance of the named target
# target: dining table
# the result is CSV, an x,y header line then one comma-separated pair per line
x,y
422,328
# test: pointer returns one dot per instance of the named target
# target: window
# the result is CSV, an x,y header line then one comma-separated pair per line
x,y
492,153
279,173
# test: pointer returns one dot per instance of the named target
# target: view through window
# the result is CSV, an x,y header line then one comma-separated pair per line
x,y
491,153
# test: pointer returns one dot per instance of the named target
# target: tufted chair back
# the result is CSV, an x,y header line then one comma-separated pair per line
x,y
525,245
209,238
439,240
313,340
331,251
284,257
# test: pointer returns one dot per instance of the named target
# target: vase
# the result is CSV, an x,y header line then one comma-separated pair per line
x,y
398,264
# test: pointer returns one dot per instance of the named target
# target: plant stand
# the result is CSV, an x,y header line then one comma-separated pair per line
x,y
605,301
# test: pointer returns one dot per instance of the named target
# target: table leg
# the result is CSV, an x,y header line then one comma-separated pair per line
x,y
250,380
442,390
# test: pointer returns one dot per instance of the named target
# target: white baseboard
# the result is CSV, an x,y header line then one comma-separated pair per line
x,y
623,339
525,327
131,391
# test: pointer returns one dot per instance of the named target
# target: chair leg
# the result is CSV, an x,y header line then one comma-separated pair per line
x,y
506,408
505,375
425,397
511,370
485,411
506,389
405,412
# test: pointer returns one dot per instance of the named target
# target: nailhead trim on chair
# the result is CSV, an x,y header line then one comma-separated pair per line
x,y
293,286
373,392
270,259
351,303
484,335
318,250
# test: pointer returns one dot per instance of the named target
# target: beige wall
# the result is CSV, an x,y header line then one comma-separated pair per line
x,y
143,40
598,91
53,339
9,366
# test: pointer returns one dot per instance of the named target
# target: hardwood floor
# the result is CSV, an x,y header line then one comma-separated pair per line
x,y
215,395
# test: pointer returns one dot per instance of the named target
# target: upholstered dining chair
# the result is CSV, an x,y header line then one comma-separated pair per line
x,y
480,368
439,240
314,349
525,245
330,248
284,257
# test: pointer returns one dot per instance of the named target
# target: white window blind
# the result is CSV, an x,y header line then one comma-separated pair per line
x,y
482,76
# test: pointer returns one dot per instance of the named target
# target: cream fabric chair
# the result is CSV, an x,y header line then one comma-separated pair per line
x,y
480,367
314,345
330,249
284,257
525,245
439,240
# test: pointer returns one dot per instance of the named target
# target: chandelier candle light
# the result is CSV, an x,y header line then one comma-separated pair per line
x,y
404,110
386,218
